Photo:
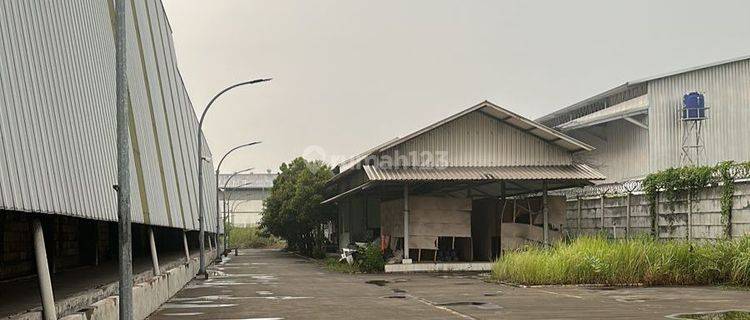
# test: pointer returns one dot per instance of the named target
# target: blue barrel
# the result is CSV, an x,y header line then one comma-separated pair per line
x,y
695,106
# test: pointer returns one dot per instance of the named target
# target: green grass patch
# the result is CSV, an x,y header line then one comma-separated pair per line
x,y
597,260
333,264
252,237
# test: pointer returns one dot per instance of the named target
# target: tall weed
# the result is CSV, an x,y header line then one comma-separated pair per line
x,y
597,260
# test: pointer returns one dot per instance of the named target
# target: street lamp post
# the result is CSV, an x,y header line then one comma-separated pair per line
x,y
218,169
201,218
123,170
228,212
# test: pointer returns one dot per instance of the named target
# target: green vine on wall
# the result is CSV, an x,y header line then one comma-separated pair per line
x,y
673,182
727,195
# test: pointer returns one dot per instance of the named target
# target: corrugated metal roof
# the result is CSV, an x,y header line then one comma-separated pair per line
x,y
633,83
629,108
506,116
567,172
691,69
353,161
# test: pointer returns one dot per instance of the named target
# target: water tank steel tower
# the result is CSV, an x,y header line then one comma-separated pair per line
x,y
693,113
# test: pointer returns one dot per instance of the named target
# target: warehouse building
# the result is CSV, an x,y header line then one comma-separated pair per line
x,y
459,191
241,197
640,127
58,150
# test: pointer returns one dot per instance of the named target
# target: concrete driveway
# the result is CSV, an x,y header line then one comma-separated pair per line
x,y
270,284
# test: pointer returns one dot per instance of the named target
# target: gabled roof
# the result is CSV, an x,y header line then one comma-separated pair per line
x,y
529,126
627,85
512,119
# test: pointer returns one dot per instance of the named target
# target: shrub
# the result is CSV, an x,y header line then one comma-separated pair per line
x,y
251,237
597,260
370,259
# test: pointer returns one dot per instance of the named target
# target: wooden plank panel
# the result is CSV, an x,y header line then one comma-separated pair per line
x,y
428,216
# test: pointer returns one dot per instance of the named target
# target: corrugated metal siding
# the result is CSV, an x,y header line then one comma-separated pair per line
x,y
479,140
624,153
727,91
57,115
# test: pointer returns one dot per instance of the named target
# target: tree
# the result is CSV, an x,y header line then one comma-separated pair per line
x,y
293,211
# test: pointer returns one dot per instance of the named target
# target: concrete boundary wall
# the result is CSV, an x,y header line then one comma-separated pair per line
x,y
704,223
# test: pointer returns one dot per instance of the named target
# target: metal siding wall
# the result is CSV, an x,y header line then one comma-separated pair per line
x,y
479,140
139,102
57,115
209,184
624,153
190,150
51,122
167,111
727,91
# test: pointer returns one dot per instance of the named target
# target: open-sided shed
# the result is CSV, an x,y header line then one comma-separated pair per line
x,y
464,188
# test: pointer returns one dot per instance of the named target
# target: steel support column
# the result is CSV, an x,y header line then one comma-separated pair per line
x,y
42,269
500,223
154,254
406,259
185,244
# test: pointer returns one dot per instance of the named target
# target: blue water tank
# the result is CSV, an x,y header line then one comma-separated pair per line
x,y
695,106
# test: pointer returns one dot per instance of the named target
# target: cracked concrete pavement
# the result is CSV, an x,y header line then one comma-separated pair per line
x,y
272,284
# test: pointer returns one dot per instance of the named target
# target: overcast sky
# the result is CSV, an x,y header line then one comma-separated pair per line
x,y
349,75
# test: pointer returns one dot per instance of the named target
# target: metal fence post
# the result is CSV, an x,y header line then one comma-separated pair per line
x,y
545,213
601,204
627,215
690,217
578,218
655,218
